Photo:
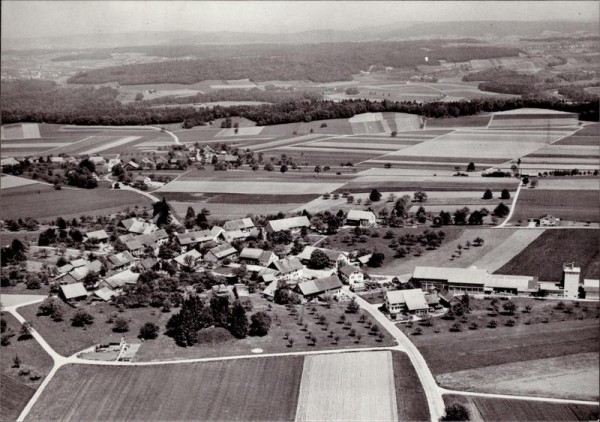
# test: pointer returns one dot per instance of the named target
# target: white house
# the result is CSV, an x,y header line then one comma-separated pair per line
x,y
353,276
293,224
288,269
361,218
411,301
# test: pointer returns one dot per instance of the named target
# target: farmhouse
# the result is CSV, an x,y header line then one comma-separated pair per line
x,y
105,294
9,162
256,256
591,288
120,260
547,221
135,247
244,224
337,258
230,236
137,226
188,259
456,280
98,236
118,280
411,301
315,288
293,224
191,239
353,276
217,254
75,291
361,218
288,269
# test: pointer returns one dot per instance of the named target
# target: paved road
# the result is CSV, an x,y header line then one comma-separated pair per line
x,y
512,207
432,392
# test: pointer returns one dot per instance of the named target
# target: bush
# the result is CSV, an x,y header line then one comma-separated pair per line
x,y
493,323
456,412
353,307
82,318
120,325
260,324
149,331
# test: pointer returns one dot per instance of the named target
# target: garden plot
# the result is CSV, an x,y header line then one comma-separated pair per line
x,y
272,188
20,131
507,250
347,387
569,377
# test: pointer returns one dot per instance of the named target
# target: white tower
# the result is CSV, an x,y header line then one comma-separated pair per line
x,y
571,280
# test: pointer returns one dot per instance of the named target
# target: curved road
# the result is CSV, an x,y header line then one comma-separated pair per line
x,y
512,207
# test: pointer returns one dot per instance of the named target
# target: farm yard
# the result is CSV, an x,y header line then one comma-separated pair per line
x,y
348,386
24,201
491,409
564,245
248,389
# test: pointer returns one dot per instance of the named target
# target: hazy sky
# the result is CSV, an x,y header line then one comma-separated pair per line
x,y
58,18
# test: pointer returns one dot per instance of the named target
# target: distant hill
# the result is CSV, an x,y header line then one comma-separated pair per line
x,y
399,31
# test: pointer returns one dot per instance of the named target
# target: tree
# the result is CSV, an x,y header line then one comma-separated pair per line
x,y
120,325
471,167
456,412
283,168
505,194
260,324
375,195
353,307
16,361
269,167
460,216
238,321
317,169
478,241
25,331
509,306
51,307
376,260
501,210
82,318
318,260
394,133
420,196
475,218
161,209
148,331
488,194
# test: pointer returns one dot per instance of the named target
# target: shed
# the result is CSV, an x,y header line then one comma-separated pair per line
x,y
75,291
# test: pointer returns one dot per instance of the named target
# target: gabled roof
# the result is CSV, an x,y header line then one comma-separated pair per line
x,y
519,282
288,223
105,293
242,223
287,265
122,258
251,253
73,291
120,279
364,259
98,234
321,285
124,238
65,269
348,270
333,255
134,245
191,238
148,263
78,262
452,275
136,225
79,273
360,215
413,298
181,258
223,250
94,265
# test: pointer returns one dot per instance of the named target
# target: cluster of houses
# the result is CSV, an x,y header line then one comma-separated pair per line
x,y
438,284
138,243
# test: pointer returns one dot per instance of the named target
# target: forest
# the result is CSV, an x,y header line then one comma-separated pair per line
x,y
325,62
44,101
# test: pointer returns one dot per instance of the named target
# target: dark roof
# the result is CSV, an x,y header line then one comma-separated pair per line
x,y
321,285
347,270
287,265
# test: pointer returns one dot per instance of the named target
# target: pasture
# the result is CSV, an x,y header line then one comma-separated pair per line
x,y
505,345
347,386
24,201
568,377
410,396
570,205
246,389
564,245
491,409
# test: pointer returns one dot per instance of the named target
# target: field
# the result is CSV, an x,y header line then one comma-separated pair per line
x,y
7,181
20,131
571,205
24,202
248,389
565,245
232,210
509,248
576,183
15,389
248,187
489,409
410,396
504,345
586,136
465,121
349,387
569,377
